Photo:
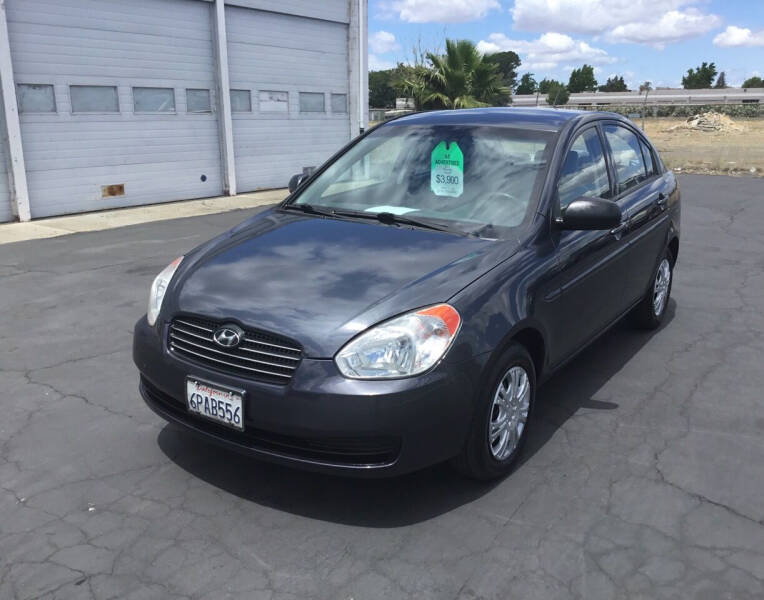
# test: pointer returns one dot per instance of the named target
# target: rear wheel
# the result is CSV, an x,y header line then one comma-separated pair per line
x,y
649,313
500,425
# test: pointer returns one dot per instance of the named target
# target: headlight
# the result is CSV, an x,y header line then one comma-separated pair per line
x,y
158,288
404,346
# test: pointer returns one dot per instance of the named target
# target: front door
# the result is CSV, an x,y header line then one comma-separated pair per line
x,y
592,263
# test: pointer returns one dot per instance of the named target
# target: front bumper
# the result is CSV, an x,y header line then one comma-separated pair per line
x,y
321,420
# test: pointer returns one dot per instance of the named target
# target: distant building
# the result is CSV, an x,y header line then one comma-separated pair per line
x,y
114,103
658,96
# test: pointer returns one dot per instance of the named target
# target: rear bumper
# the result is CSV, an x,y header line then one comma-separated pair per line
x,y
321,420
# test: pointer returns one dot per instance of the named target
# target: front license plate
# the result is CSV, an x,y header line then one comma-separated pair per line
x,y
215,402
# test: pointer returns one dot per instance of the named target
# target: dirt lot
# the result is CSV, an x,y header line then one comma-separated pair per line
x,y
730,151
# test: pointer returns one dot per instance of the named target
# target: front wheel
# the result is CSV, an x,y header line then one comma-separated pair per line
x,y
649,313
500,425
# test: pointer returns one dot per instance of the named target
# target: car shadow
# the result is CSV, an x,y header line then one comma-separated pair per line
x,y
413,498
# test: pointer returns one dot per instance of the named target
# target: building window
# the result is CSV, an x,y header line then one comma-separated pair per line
x,y
94,98
36,98
198,101
241,101
339,103
151,100
312,102
274,101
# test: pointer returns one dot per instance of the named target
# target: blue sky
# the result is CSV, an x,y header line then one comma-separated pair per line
x,y
643,40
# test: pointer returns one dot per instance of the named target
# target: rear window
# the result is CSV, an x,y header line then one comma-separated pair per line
x,y
627,156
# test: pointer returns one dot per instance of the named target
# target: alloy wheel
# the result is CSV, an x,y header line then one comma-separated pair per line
x,y
509,412
661,287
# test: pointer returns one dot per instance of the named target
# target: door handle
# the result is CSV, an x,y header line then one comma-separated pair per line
x,y
661,199
620,229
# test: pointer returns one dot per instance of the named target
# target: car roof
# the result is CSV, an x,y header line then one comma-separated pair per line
x,y
549,119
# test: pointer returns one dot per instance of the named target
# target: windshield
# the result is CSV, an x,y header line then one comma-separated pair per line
x,y
465,177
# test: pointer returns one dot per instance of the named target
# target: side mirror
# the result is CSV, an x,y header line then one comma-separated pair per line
x,y
295,181
590,213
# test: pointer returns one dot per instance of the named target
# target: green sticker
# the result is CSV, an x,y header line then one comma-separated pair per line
x,y
447,170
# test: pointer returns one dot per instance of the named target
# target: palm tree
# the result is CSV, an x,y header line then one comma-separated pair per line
x,y
461,78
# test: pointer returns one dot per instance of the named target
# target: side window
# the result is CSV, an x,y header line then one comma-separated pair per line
x,y
648,156
584,172
627,156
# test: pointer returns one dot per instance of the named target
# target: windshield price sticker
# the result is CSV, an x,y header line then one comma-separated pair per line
x,y
447,170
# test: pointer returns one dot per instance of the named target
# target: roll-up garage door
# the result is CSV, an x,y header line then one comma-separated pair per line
x,y
116,102
289,86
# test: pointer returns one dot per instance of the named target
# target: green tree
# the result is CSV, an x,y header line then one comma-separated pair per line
x,y
614,84
544,85
507,64
381,91
721,81
527,85
410,81
646,87
753,82
557,94
582,80
701,78
462,78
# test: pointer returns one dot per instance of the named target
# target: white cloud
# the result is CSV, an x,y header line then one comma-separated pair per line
x,y
548,51
382,42
375,63
439,11
672,26
655,22
739,36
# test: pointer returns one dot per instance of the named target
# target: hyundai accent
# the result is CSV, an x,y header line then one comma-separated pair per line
x,y
401,307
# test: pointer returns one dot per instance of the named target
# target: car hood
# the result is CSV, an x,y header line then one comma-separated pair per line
x,y
321,281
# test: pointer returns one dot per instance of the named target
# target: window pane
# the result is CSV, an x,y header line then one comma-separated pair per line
x,y
627,156
648,159
198,101
36,98
339,103
241,101
154,99
584,172
311,102
274,101
94,98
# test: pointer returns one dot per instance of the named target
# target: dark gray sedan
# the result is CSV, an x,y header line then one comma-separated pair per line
x,y
402,305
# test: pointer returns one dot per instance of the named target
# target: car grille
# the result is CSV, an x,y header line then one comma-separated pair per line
x,y
260,356
371,451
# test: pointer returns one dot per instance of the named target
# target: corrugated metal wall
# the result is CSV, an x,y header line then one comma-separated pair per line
x,y
153,43
329,10
116,152
284,53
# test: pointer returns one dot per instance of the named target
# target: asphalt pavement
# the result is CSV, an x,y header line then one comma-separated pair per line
x,y
643,476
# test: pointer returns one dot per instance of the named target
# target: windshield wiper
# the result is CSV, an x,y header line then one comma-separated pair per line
x,y
309,209
389,218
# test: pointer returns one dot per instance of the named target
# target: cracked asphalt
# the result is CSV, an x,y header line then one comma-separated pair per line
x,y
643,476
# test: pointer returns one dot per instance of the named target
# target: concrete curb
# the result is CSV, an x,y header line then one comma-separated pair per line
x,y
121,217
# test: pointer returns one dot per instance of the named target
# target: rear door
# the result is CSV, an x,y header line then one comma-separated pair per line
x,y
592,263
640,192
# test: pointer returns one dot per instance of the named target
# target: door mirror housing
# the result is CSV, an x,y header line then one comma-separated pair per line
x,y
590,213
296,180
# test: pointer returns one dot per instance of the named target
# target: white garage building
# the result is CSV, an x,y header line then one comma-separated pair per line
x,y
111,103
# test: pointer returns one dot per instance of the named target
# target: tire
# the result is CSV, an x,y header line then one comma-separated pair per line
x,y
649,313
487,456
